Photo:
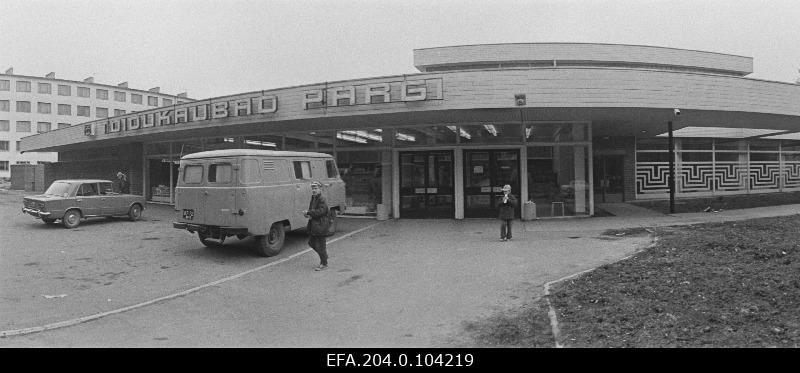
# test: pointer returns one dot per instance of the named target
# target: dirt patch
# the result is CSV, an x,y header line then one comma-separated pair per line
x,y
527,326
713,285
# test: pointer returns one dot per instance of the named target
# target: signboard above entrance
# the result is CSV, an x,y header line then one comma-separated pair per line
x,y
266,104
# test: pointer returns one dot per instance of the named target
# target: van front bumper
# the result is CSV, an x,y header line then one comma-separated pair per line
x,y
228,231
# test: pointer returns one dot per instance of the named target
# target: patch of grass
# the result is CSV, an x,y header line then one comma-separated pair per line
x,y
733,284
524,327
722,202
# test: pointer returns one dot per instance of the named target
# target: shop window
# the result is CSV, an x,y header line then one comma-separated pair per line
x,y
193,174
488,133
556,132
330,166
302,170
219,173
428,135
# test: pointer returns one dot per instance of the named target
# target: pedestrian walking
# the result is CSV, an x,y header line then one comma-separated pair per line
x,y
318,224
124,184
506,212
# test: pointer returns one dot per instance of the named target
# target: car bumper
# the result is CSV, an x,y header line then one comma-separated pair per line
x,y
36,213
229,231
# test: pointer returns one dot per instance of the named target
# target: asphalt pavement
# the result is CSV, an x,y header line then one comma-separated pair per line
x,y
395,283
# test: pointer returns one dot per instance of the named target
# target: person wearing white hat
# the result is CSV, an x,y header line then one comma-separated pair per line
x,y
506,212
318,224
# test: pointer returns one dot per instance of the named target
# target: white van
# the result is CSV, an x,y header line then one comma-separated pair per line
x,y
260,193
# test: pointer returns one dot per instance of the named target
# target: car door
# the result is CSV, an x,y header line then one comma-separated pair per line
x,y
110,202
88,199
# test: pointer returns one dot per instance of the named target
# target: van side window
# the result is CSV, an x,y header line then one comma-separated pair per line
x,y
251,171
302,170
219,173
333,172
193,174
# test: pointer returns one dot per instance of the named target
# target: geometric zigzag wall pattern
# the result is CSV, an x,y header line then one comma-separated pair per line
x,y
698,177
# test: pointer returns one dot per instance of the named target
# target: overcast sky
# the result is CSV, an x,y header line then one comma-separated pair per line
x,y
212,48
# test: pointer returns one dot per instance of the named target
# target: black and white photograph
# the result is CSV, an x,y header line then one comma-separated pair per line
x,y
409,183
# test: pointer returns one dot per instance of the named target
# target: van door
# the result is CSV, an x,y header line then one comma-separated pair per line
x,y
334,185
190,193
250,181
302,186
220,192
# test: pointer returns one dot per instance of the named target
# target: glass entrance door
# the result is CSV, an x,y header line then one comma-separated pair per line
x,y
486,171
426,184
609,185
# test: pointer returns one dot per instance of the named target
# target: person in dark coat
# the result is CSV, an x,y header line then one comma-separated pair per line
x,y
124,184
506,213
318,224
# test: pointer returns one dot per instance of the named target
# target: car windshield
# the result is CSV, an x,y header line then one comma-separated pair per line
x,y
58,189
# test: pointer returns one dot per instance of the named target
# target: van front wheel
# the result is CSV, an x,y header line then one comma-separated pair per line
x,y
272,243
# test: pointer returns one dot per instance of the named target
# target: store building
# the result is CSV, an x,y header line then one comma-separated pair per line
x,y
31,104
567,125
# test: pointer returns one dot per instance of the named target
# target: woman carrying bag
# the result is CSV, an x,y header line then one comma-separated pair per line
x,y
318,224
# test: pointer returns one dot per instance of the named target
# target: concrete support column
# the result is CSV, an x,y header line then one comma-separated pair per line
x,y
395,184
580,178
386,180
458,175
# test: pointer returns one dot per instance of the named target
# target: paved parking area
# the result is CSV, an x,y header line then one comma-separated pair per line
x,y
403,283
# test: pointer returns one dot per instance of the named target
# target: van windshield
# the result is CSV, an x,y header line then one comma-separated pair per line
x,y
219,173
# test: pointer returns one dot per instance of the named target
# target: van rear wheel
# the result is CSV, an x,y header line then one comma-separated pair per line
x,y
272,243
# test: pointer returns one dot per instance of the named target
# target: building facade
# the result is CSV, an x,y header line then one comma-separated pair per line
x,y
30,105
567,125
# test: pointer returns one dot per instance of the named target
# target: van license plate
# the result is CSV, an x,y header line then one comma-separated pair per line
x,y
188,214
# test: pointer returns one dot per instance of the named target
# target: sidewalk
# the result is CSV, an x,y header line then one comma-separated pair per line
x,y
643,219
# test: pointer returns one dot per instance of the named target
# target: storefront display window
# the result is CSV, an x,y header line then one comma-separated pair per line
x,y
360,138
421,136
362,175
489,133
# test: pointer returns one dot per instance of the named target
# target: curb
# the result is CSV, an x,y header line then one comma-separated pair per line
x,y
552,311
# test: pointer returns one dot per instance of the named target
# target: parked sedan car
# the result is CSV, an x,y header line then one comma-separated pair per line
x,y
73,200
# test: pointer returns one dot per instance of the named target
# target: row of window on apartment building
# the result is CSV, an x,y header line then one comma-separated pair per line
x,y
66,90
25,126
62,109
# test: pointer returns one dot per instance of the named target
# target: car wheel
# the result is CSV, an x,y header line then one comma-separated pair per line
x,y
49,221
272,243
208,241
135,213
71,219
